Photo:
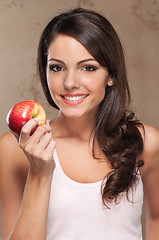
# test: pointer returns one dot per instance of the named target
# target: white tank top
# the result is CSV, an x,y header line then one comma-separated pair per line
x,y
76,211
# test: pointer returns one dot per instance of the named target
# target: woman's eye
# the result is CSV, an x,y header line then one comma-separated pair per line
x,y
56,68
89,68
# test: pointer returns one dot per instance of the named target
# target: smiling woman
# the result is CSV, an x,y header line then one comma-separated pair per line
x,y
88,182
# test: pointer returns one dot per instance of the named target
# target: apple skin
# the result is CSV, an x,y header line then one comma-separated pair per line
x,y
22,112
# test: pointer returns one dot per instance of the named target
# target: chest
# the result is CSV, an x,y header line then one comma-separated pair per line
x,y
78,163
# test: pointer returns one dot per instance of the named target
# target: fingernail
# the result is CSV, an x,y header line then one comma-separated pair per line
x,y
37,119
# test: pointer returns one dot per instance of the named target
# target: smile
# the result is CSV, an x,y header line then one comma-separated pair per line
x,y
74,99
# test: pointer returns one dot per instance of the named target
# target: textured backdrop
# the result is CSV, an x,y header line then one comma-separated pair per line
x,y
21,22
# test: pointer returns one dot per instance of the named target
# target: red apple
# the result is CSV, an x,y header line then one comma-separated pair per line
x,y
22,112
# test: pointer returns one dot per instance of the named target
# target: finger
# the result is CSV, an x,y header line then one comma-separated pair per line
x,y
44,141
50,149
27,128
39,134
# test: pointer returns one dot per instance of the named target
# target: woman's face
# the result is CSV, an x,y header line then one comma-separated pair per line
x,y
75,79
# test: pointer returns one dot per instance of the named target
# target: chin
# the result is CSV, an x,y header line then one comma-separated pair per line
x,y
72,115
77,113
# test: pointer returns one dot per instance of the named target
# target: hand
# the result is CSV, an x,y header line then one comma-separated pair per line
x,y
38,148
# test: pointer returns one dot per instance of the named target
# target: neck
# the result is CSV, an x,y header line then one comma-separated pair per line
x,y
81,127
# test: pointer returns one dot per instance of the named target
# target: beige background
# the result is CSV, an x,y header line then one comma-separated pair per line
x,y
21,22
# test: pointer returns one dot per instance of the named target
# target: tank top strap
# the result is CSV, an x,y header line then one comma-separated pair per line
x,y
54,153
56,159
48,121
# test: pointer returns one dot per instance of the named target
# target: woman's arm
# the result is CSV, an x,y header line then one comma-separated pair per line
x,y
150,175
13,174
31,221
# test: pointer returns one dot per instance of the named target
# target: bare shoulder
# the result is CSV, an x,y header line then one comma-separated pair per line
x,y
150,153
151,139
7,141
10,151
150,174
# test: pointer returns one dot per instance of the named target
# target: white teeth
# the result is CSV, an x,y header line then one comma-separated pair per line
x,y
75,98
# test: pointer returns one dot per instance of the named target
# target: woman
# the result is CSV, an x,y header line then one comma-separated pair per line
x,y
84,172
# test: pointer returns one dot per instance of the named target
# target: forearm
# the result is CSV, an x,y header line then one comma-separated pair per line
x,y
32,220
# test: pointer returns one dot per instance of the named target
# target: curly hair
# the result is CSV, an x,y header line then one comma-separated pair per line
x,y
116,128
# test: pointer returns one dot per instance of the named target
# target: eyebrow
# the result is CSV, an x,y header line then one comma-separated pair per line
x,y
80,62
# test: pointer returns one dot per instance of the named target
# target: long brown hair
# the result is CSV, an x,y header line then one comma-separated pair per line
x,y
116,128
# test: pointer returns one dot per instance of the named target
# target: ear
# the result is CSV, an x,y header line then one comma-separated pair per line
x,y
110,82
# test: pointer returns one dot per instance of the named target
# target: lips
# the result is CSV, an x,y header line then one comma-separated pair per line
x,y
74,99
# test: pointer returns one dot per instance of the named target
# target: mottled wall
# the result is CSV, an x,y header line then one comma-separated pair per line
x,y
21,22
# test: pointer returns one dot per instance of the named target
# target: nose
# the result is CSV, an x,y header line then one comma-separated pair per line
x,y
71,80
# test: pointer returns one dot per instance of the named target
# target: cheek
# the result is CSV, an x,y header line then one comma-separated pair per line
x,y
53,85
50,86
53,89
98,88
50,82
